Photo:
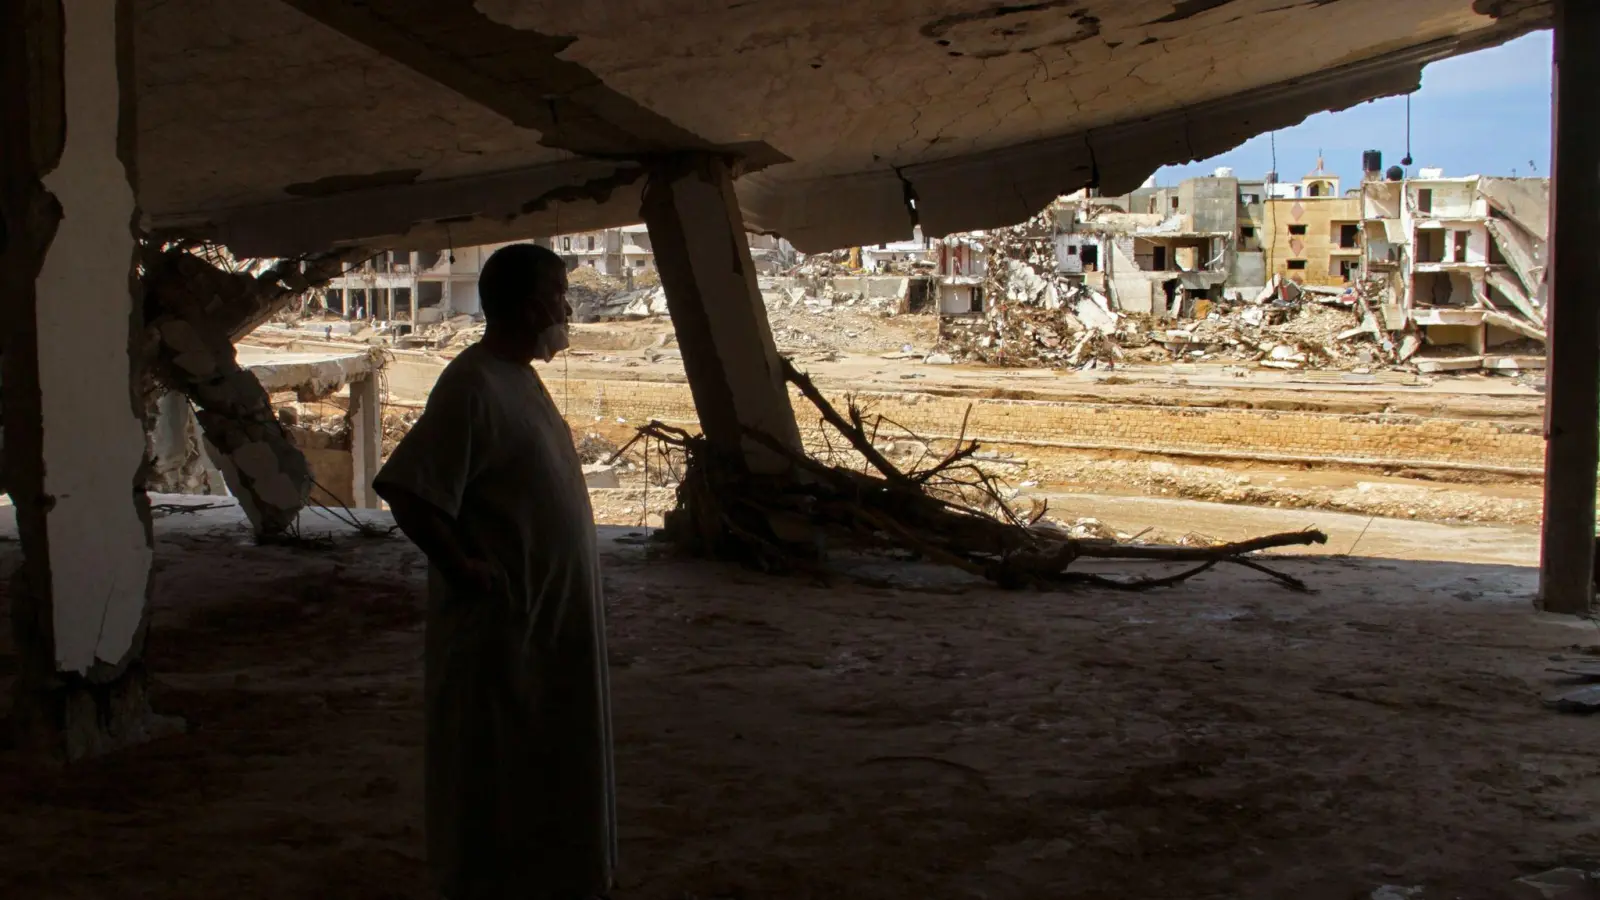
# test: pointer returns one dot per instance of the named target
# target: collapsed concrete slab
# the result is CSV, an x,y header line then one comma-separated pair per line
x,y
341,471
194,311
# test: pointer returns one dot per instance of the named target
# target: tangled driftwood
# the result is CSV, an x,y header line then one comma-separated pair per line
x,y
949,511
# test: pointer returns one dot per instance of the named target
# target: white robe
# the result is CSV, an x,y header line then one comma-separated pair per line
x,y
519,786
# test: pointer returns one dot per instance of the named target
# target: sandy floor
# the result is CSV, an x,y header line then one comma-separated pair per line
x,y
895,733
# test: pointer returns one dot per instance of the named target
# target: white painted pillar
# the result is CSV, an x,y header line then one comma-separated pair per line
x,y
366,439
729,356
1572,406
74,439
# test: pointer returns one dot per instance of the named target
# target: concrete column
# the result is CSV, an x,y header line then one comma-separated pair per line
x,y
721,322
1572,406
74,430
366,438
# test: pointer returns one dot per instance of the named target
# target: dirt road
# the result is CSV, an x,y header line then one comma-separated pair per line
x,y
1480,434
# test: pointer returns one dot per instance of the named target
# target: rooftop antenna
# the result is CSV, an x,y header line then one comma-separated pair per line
x,y
1407,160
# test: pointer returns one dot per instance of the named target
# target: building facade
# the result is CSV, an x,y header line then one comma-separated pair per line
x,y
1462,259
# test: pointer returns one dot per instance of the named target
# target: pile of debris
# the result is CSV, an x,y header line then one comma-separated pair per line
x,y
596,297
828,265
1038,314
456,331
1285,327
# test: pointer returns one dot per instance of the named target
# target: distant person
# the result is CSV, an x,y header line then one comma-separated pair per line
x,y
519,786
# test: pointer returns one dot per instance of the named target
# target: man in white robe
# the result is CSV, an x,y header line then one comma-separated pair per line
x,y
519,787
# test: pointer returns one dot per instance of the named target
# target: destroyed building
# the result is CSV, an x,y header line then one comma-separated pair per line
x,y
1437,274
305,131
417,286
1461,259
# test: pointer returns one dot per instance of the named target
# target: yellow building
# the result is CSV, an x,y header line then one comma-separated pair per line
x,y
1313,240
1310,232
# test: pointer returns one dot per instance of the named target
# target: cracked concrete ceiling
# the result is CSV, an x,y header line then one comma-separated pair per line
x,y
289,125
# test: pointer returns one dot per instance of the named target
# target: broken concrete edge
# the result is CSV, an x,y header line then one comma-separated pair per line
x,y
314,379
990,188
192,308
57,715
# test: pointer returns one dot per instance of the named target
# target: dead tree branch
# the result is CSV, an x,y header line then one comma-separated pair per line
x,y
784,521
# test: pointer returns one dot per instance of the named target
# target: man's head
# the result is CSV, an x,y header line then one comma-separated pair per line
x,y
523,289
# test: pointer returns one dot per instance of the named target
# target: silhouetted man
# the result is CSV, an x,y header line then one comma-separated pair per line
x,y
519,784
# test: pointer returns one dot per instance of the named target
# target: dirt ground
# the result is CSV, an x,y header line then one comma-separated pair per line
x,y
896,732
848,347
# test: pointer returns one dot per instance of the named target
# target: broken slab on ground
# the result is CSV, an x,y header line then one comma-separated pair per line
x,y
341,470
194,313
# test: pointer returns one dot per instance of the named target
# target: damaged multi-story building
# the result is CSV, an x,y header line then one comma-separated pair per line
x,y
1425,263
1461,260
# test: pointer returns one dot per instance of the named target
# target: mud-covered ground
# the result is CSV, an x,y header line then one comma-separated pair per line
x,y
857,348
895,732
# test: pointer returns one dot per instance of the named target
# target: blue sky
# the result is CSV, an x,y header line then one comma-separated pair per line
x,y
1484,113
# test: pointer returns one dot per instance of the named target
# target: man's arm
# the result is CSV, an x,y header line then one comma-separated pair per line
x,y
434,533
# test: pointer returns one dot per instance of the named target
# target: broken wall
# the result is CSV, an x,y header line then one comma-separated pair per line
x,y
1131,288
1214,206
1249,270
179,461
1525,201
1445,199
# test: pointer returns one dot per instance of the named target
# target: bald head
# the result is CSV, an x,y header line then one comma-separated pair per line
x,y
519,276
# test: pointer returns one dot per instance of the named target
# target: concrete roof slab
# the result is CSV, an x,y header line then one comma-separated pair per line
x,y
869,117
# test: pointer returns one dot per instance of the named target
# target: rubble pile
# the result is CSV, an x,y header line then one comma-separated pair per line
x,y
456,331
1039,315
596,297
826,265
397,422
1305,332
845,329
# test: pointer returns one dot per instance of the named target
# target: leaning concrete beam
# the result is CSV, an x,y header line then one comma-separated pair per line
x,y
721,322
1511,289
